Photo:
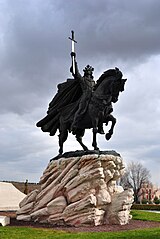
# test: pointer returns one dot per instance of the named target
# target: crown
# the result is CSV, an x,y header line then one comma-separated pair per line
x,y
88,68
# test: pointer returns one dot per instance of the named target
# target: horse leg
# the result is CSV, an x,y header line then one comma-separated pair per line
x,y
95,131
62,138
110,132
79,136
94,143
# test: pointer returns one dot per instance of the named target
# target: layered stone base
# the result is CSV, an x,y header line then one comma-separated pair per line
x,y
80,189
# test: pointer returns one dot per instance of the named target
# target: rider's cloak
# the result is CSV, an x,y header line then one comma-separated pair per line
x,y
65,102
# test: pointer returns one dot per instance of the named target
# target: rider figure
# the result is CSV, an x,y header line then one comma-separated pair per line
x,y
87,85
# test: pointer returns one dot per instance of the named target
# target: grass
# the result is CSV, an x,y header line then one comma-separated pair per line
x,y
145,216
33,233
37,233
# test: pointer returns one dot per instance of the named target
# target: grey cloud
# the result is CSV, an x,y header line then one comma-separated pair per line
x,y
36,48
123,29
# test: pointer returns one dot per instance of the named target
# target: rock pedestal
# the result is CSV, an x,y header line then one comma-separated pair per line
x,y
79,190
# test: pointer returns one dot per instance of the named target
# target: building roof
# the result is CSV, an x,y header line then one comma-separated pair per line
x,y
10,197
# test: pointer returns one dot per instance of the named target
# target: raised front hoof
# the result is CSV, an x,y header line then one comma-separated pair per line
x,y
108,136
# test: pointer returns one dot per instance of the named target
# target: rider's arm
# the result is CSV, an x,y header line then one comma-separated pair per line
x,y
77,74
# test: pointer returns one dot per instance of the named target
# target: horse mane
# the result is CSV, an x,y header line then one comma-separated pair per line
x,y
106,74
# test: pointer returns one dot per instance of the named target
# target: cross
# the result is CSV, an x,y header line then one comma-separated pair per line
x,y
73,50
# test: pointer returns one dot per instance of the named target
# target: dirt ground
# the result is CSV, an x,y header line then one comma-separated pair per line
x,y
134,224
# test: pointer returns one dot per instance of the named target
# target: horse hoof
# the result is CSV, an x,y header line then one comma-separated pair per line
x,y
108,136
60,152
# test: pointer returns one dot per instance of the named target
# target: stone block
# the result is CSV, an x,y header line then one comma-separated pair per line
x,y
4,220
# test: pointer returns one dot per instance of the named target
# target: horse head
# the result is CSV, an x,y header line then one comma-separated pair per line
x,y
117,87
111,82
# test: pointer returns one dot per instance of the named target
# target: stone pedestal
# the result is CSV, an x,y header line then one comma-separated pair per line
x,y
80,189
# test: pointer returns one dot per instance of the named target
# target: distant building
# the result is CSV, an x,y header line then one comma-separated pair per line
x,y
148,192
157,194
22,187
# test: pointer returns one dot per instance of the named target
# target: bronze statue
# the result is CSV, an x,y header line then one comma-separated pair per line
x,y
81,104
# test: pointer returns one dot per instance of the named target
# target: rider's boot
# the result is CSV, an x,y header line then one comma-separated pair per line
x,y
73,128
100,129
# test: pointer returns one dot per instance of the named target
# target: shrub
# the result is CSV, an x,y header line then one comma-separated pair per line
x,y
144,201
146,207
156,200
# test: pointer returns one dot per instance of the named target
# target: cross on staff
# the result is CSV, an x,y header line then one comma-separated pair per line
x,y
73,50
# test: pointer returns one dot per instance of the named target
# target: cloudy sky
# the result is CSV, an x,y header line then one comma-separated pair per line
x,y
35,57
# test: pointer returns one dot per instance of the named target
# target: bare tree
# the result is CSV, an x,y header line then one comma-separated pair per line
x,y
135,175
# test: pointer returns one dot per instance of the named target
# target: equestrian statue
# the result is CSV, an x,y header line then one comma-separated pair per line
x,y
81,103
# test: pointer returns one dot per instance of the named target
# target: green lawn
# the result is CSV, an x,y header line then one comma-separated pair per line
x,y
145,216
34,233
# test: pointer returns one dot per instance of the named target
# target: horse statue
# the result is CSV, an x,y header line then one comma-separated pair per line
x,y
62,108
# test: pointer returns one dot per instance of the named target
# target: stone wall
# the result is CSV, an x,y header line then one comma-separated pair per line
x,y
78,191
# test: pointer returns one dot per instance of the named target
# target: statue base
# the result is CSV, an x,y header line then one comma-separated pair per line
x,y
79,189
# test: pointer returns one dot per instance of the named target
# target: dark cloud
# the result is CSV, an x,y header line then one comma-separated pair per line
x,y
122,29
